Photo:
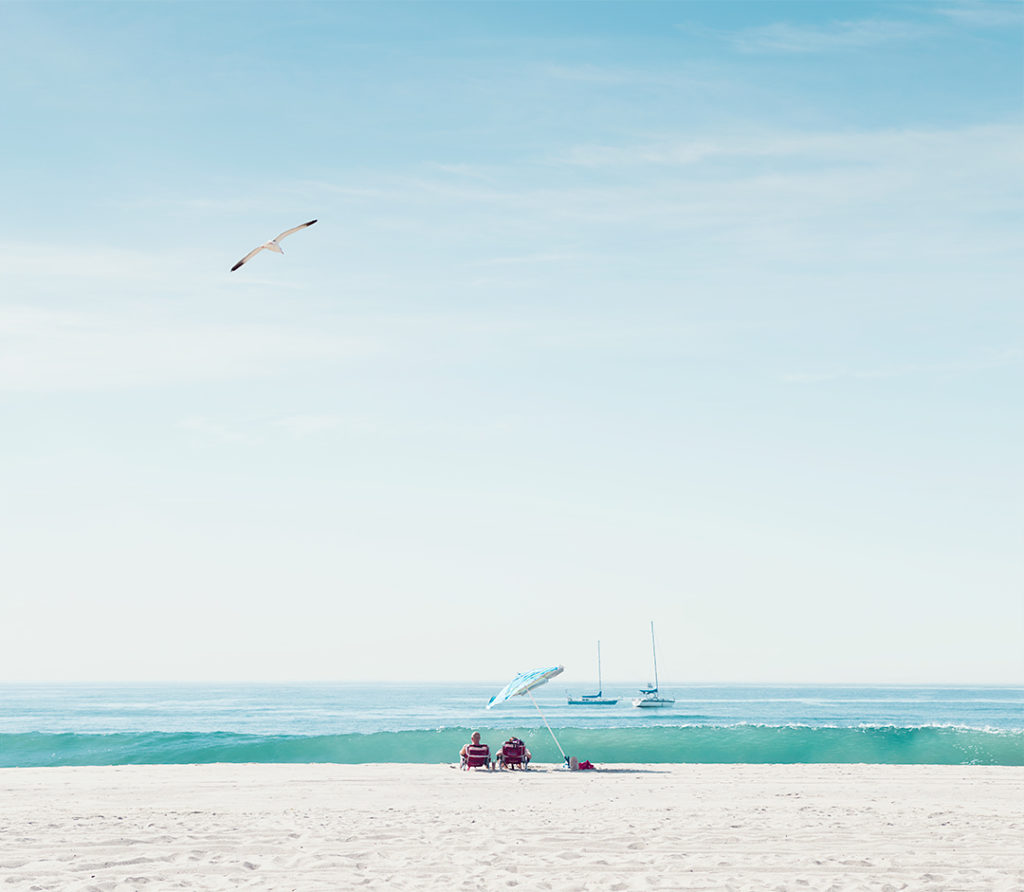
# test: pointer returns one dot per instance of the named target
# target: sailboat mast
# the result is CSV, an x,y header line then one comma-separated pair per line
x,y
654,653
600,688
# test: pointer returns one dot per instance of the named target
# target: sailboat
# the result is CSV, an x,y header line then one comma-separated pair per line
x,y
649,695
597,699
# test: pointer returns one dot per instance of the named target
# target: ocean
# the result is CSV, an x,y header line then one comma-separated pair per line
x,y
123,724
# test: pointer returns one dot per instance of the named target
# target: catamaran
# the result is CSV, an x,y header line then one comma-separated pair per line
x,y
649,695
597,699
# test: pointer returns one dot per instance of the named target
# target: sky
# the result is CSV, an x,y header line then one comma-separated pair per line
x,y
702,313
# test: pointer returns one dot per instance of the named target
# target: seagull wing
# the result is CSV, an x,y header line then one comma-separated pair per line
x,y
248,256
294,229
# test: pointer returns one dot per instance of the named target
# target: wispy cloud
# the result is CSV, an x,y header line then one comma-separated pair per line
x,y
204,429
623,76
47,350
595,74
314,425
783,194
207,430
985,15
470,171
529,259
32,260
846,35
863,146
205,204
1001,359
669,152
872,183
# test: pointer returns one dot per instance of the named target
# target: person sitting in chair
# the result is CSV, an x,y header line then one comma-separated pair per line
x,y
475,754
513,752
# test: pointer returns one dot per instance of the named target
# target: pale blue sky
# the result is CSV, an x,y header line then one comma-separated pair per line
x,y
706,313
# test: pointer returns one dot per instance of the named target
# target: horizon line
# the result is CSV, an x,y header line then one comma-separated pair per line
x,y
503,681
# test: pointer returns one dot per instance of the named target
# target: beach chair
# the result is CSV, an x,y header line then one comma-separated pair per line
x,y
513,753
478,755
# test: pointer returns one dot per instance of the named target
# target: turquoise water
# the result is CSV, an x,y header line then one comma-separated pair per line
x,y
43,725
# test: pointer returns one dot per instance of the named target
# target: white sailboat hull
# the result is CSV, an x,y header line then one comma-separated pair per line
x,y
651,702
649,698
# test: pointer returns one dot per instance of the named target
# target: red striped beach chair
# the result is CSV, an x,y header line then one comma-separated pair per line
x,y
478,755
513,753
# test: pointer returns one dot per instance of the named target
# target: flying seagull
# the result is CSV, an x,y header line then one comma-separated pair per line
x,y
272,245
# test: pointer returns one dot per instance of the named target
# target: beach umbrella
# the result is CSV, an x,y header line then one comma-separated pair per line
x,y
523,685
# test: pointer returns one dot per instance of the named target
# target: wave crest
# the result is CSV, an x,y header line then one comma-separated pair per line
x,y
742,743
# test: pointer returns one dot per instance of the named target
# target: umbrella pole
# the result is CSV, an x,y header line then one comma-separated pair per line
x,y
546,725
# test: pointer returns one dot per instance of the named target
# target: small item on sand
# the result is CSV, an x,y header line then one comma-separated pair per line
x,y
586,765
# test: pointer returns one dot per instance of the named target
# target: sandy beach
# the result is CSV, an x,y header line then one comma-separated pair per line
x,y
624,827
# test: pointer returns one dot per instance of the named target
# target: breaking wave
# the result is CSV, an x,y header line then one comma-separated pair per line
x,y
744,743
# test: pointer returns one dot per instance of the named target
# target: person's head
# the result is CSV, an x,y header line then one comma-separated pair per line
x,y
475,737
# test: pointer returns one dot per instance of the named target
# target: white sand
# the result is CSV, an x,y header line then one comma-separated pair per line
x,y
743,827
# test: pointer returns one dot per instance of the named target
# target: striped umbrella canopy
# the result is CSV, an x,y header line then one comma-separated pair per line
x,y
524,683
